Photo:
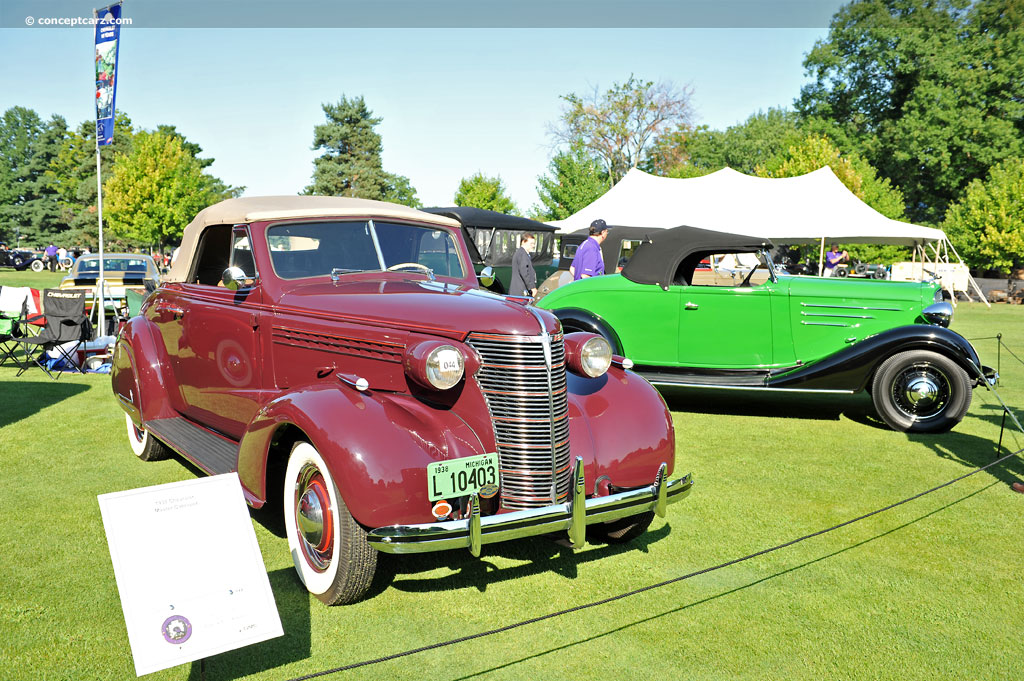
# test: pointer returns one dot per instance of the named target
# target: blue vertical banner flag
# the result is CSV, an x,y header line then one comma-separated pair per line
x,y
108,33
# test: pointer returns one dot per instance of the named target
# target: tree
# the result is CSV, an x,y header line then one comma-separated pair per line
x,y
29,209
157,189
480,191
741,147
986,223
928,91
574,181
72,175
351,161
816,151
617,127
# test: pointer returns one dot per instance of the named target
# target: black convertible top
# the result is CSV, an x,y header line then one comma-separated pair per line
x,y
480,217
671,254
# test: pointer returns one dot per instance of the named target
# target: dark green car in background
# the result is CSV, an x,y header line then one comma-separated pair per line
x,y
684,322
493,238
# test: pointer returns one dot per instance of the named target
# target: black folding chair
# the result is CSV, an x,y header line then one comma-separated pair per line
x,y
67,328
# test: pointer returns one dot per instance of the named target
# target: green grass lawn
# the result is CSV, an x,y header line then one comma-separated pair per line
x,y
930,590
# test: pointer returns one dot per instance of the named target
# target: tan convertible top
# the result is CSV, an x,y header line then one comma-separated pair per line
x,y
261,208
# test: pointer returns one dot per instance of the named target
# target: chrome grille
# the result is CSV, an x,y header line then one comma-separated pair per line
x,y
523,381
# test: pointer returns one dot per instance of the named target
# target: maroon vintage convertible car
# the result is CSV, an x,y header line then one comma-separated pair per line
x,y
339,355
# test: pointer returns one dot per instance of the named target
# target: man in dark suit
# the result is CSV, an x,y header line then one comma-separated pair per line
x,y
524,277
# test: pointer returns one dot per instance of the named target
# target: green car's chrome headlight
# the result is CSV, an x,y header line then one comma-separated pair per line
x,y
940,314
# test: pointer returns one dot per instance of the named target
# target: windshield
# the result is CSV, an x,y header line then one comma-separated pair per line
x,y
91,266
317,248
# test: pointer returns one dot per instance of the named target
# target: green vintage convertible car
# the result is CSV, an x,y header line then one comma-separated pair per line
x,y
684,322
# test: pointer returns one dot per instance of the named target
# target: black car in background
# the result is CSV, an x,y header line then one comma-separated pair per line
x,y
20,260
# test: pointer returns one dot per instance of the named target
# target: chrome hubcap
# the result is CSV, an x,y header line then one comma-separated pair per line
x,y
311,518
314,518
921,391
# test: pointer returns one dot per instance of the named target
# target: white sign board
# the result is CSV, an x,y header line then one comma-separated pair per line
x,y
189,571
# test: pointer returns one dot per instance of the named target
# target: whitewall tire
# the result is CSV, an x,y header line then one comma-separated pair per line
x,y
328,547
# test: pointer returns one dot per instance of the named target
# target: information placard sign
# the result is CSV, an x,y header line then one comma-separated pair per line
x,y
189,571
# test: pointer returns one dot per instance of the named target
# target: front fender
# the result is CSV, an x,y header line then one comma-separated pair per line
x,y
621,427
852,368
583,320
377,446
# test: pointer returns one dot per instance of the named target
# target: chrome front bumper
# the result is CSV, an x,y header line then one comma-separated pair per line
x,y
572,516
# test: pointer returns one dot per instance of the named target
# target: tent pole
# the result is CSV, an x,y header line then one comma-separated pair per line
x,y
821,258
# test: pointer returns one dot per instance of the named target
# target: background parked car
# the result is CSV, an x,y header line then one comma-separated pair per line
x,y
493,238
21,260
778,332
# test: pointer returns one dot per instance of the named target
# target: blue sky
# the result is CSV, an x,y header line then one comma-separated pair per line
x,y
454,101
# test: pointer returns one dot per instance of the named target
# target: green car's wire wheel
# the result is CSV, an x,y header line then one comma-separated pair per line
x,y
919,391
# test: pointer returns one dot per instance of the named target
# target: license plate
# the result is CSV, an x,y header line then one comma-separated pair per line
x,y
461,477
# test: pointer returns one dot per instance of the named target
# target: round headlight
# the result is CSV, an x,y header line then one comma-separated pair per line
x,y
444,367
595,357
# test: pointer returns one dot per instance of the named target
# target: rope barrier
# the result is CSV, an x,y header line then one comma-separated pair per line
x,y
611,599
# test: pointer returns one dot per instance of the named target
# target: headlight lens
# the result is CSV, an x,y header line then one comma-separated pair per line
x,y
445,367
595,357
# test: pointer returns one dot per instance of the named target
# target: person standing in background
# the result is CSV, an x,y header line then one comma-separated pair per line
x,y
524,276
51,257
588,261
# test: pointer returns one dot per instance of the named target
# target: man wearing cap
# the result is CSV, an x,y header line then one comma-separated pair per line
x,y
588,261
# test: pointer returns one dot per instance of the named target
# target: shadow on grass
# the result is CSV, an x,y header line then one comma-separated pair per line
x,y
293,606
540,555
776,404
973,451
23,397
722,594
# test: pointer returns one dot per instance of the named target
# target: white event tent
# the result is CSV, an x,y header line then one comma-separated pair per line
x,y
810,208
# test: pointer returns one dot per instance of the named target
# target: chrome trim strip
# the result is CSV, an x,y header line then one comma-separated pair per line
x,y
839,316
822,324
750,387
453,534
852,307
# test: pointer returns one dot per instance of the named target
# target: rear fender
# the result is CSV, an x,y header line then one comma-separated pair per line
x,y
377,446
852,368
139,378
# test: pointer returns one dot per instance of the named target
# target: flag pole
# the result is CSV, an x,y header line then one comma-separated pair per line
x,y
101,329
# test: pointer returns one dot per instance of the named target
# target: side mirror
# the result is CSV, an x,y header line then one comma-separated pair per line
x,y
486,276
233,278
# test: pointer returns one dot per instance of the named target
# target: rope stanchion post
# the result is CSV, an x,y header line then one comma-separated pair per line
x,y
999,361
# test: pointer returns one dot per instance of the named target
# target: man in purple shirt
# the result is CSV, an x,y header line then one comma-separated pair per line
x,y
588,261
51,257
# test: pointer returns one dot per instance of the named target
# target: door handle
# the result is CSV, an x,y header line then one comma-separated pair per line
x,y
691,305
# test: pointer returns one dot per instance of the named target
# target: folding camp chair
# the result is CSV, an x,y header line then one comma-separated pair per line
x,y
67,328
13,321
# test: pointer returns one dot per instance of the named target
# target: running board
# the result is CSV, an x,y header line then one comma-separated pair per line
x,y
211,452
744,380
686,382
